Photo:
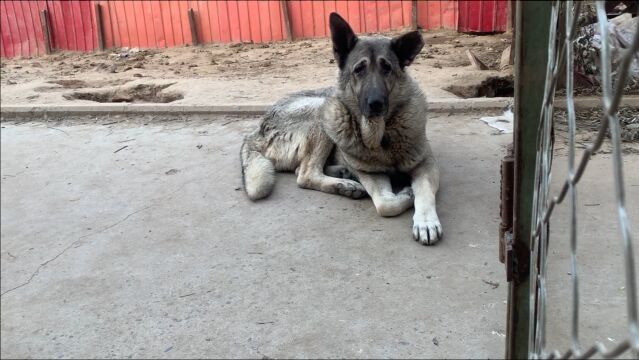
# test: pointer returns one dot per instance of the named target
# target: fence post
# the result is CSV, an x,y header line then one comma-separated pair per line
x,y
44,22
413,13
287,20
531,55
191,15
98,26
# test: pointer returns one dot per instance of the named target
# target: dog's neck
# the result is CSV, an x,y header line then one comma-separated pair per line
x,y
372,131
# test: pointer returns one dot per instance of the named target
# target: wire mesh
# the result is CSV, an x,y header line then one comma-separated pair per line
x,y
561,60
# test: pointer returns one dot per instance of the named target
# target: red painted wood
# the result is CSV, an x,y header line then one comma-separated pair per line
x,y
370,16
76,26
107,25
149,24
482,16
308,23
245,26
184,18
437,14
353,16
156,23
59,30
295,18
329,7
8,42
407,13
140,24
384,15
341,7
255,23
37,6
233,17
167,24
176,22
275,18
318,19
120,21
27,20
20,39
434,14
90,33
155,20
265,21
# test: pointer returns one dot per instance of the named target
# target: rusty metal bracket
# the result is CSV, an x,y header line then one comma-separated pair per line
x,y
506,213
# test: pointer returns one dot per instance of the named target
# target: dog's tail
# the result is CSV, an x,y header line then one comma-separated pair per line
x,y
258,172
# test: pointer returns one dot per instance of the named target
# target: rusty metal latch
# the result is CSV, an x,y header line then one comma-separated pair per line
x,y
506,255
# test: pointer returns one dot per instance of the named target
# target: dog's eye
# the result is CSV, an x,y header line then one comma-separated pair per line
x,y
360,69
385,66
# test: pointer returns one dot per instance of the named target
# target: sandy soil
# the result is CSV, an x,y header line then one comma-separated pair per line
x,y
244,70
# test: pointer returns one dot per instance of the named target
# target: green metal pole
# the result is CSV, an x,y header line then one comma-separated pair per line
x,y
531,55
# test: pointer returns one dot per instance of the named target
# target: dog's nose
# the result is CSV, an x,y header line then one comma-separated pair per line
x,y
375,106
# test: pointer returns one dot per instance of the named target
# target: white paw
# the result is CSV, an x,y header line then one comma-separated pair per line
x,y
427,232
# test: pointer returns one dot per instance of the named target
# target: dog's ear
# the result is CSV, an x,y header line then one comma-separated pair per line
x,y
407,46
343,37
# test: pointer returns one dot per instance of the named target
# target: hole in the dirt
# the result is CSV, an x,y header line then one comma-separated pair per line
x,y
78,84
139,93
70,83
494,86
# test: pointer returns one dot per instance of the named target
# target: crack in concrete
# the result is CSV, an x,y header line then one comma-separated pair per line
x,y
37,271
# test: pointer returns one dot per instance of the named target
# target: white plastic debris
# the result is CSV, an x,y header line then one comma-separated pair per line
x,y
621,30
503,123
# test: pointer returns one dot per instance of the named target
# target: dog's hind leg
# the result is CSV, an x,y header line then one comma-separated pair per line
x,y
310,173
258,172
386,202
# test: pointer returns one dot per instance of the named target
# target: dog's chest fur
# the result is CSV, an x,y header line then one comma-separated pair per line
x,y
400,147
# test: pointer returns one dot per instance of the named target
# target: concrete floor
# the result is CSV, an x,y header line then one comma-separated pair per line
x,y
600,255
154,250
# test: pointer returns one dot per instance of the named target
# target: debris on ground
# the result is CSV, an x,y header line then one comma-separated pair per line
x,y
475,62
588,122
587,46
503,122
492,284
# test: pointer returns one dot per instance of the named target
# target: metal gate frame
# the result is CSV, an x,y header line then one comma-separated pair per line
x,y
543,45
532,19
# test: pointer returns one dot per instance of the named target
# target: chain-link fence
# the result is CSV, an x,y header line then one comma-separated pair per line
x,y
561,38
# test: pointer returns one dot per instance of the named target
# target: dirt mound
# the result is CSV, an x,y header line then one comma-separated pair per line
x,y
143,93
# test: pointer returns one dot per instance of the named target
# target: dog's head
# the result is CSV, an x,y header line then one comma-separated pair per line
x,y
371,66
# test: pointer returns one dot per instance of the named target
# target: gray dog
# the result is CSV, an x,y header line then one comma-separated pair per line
x,y
351,139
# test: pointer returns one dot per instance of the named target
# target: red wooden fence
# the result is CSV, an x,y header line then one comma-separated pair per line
x,y
72,26
150,24
437,14
482,16
158,24
309,18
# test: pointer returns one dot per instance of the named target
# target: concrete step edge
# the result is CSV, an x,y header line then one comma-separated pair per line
x,y
436,105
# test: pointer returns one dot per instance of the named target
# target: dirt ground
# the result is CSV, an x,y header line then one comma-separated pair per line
x,y
588,123
293,65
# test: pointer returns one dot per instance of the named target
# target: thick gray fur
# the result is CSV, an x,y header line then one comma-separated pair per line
x,y
349,139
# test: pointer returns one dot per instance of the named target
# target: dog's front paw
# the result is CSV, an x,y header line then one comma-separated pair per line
x,y
427,232
350,188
